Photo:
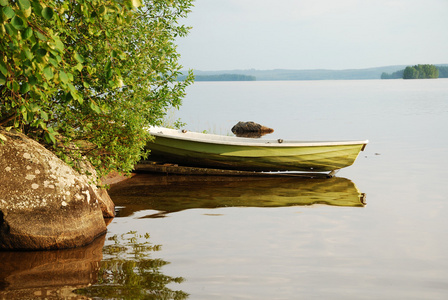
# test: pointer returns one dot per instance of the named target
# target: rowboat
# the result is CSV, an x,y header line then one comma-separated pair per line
x,y
247,154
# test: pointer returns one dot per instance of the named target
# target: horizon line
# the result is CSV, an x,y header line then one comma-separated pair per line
x,y
317,69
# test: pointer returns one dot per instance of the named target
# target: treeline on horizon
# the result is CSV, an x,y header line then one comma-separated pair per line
x,y
418,72
223,77
314,74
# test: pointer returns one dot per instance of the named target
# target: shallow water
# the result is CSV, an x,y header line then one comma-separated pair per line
x,y
375,232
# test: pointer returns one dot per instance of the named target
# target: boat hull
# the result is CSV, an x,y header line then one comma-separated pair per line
x,y
251,156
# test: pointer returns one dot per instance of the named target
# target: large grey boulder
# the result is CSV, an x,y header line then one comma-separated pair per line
x,y
44,203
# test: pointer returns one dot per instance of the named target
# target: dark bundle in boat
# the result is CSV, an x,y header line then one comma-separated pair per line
x,y
250,129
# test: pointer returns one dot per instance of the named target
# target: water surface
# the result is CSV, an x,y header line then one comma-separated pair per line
x,y
392,248
376,232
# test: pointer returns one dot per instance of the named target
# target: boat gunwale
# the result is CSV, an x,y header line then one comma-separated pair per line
x,y
242,141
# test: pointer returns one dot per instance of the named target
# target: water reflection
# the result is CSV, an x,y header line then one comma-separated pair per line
x,y
120,268
128,272
169,194
49,274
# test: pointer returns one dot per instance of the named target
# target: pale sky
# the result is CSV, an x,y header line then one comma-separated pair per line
x,y
314,34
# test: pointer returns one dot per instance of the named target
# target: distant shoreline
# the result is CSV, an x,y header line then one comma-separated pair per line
x,y
286,74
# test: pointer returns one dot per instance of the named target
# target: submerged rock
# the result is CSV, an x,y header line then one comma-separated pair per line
x,y
250,129
44,203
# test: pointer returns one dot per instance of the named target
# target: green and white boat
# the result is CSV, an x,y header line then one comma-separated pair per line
x,y
248,154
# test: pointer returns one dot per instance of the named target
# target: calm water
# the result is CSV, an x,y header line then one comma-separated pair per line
x,y
221,238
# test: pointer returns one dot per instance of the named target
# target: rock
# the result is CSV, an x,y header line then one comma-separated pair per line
x,y
250,129
106,204
44,203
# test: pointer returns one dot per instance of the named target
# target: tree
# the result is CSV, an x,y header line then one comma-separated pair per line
x,y
86,77
421,72
410,73
430,71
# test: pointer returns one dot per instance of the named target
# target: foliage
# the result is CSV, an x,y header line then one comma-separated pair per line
x,y
394,75
86,77
421,72
418,72
128,272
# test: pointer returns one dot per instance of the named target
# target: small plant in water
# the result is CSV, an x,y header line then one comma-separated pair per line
x,y
128,272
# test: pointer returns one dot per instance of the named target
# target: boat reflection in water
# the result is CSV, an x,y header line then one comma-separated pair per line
x,y
174,193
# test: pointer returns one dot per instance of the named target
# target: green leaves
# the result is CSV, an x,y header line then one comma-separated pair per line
x,y
44,115
41,52
48,72
57,45
63,77
94,107
102,10
78,57
25,7
72,74
40,36
50,137
32,80
10,30
108,70
420,72
47,13
27,33
24,4
24,88
3,68
18,23
2,79
8,12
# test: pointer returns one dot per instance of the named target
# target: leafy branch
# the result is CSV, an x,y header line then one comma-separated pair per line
x,y
86,77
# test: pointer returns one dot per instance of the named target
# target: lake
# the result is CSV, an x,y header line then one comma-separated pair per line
x,y
376,231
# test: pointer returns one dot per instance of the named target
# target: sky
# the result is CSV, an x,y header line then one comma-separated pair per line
x,y
314,34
